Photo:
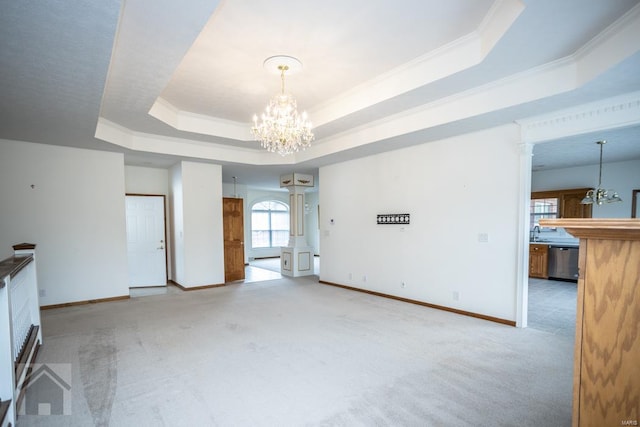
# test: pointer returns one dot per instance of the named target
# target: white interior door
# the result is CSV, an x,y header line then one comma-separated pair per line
x,y
146,248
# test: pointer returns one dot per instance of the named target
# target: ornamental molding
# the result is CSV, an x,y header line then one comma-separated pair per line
x,y
611,113
297,180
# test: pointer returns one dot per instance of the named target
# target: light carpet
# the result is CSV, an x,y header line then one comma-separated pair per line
x,y
293,352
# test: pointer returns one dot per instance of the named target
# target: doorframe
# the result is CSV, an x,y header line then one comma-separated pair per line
x,y
164,217
522,268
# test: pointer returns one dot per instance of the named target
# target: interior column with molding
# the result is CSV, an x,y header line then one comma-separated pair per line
x,y
296,259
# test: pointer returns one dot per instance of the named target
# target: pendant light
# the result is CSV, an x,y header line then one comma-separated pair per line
x,y
599,196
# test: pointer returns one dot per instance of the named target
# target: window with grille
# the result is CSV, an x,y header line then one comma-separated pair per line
x,y
269,224
543,209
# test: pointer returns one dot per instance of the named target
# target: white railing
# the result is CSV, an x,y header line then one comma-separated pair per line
x,y
20,332
20,316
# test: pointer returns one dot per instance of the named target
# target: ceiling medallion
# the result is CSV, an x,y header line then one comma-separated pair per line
x,y
281,129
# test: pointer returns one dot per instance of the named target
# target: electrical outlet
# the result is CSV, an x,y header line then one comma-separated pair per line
x,y
364,278
456,295
483,237
42,293
403,284
350,276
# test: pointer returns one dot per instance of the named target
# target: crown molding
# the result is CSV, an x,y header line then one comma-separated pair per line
x,y
460,54
166,112
611,46
143,142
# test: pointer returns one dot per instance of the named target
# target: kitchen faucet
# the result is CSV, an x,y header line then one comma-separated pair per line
x,y
534,230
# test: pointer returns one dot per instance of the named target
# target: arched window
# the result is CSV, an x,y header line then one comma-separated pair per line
x,y
269,224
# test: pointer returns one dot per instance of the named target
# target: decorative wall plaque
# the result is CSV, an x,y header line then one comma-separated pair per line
x,y
297,179
394,218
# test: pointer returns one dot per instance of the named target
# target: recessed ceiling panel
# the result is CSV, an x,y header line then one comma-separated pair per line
x,y
341,44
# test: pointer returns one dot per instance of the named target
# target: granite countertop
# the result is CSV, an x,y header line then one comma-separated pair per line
x,y
12,266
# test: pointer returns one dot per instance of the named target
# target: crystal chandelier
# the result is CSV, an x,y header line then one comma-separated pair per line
x,y
281,129
600,195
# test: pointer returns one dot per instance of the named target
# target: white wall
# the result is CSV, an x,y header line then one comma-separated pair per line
x,y
177,224
620,176
75,214
143,180
197,211
311,229
454,189
239,190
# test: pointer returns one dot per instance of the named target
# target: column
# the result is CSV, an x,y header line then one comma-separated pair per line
x,y
296,259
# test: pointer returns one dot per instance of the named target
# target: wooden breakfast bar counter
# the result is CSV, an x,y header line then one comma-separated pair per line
x,y
606,372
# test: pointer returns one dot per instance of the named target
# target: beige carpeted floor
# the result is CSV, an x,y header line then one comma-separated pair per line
x,y
292,352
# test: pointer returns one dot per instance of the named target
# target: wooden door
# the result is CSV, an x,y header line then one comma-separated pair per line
x,y
146,248
233,219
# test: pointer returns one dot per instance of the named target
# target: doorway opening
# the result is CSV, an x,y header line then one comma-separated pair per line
x,y
551,304
261,269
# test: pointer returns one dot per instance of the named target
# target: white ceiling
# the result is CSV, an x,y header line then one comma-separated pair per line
x,y
162,80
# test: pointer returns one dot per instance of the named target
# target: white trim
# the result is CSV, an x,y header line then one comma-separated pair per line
x,y
138,141
166,112
522,268
616,112
447,60
460,54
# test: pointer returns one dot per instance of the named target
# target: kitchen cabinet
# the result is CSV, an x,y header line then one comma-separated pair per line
x,y
569,202
606,383
538,260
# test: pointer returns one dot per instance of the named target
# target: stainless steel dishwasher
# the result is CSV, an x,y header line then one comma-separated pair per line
x,y
563,262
